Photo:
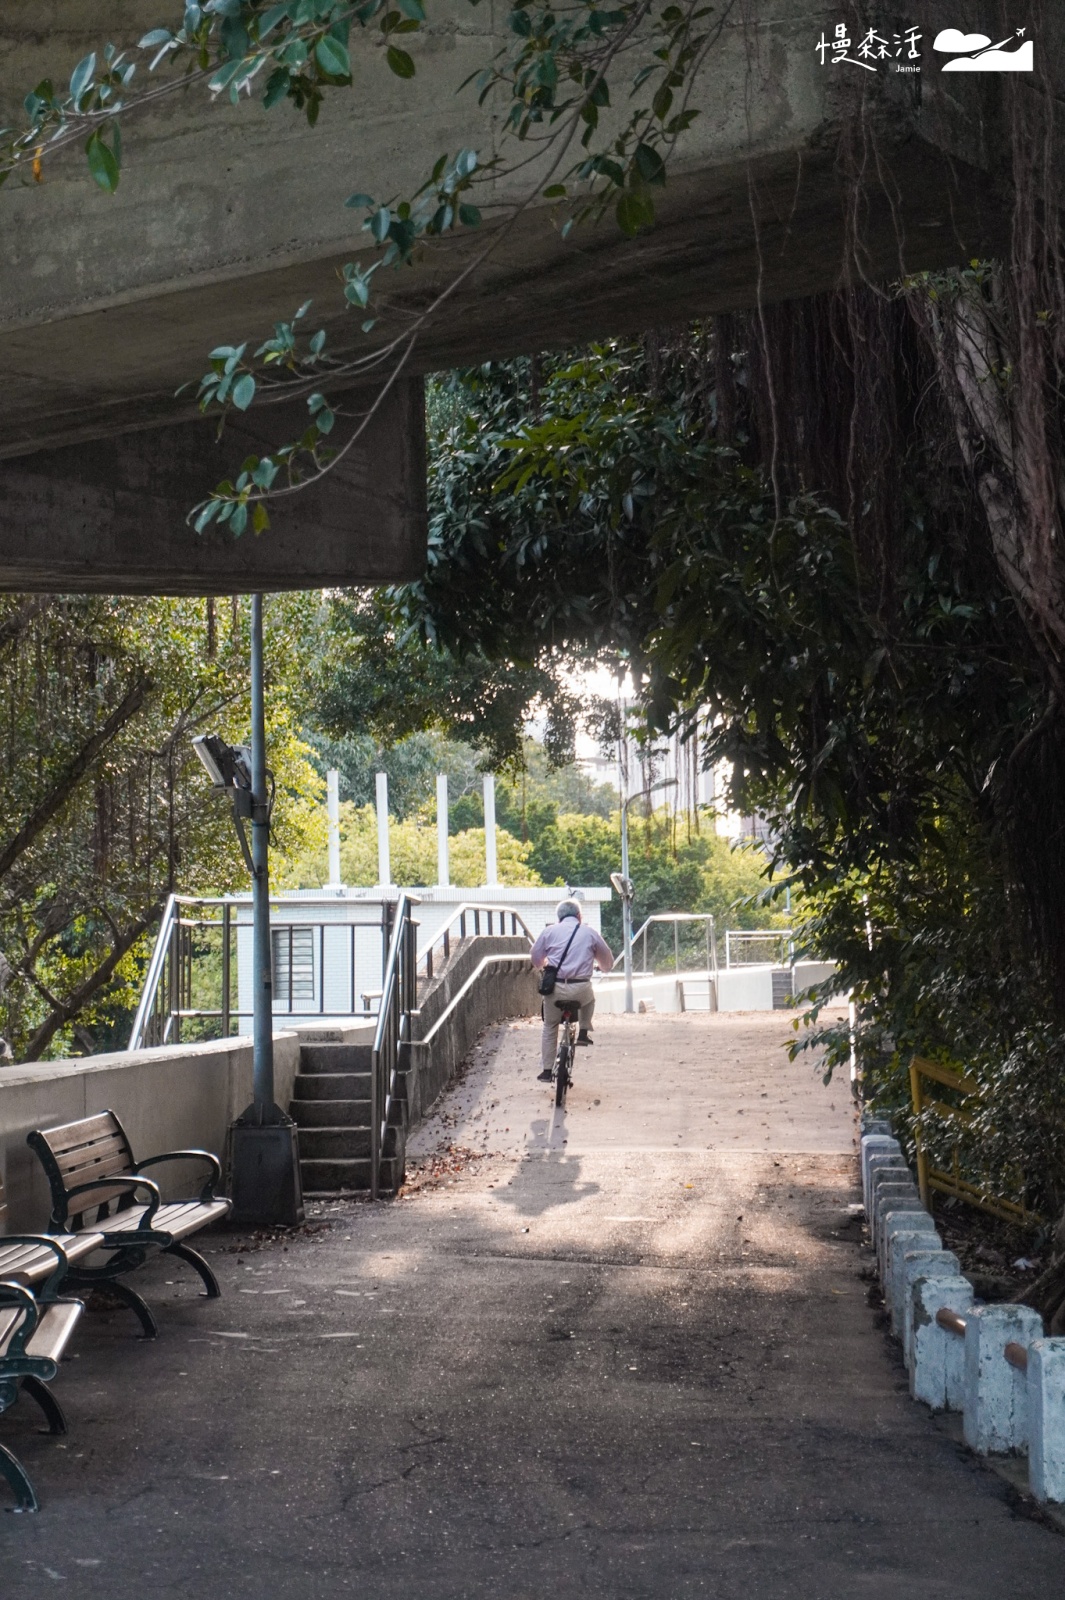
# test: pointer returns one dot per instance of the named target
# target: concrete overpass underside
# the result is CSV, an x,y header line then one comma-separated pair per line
x,y
228,218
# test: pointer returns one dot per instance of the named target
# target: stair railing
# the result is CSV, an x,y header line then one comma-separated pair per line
x,y
471,917
167,998
391,1045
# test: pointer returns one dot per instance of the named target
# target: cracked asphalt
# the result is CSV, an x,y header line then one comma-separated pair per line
x,y
623,1350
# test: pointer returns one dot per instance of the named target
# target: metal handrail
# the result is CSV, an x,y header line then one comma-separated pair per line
x,y
475,909
167,998
392,1035
155,968
676,918
747,935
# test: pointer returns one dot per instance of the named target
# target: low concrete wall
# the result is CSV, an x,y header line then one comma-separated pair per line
x,y
745,989
494,980
177,1097
663,993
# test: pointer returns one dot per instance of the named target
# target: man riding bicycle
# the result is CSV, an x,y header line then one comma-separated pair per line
x,y
573,948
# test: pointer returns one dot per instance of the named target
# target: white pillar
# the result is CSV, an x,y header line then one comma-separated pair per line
x,y
491,872
937,1372
443,871
923,1262
893,1283
996,1394
907,1213
875,1144
384,867
1046,1419
332,780
879,1160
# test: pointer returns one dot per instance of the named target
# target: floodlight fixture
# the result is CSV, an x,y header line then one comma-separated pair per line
x,y
623,886
227,765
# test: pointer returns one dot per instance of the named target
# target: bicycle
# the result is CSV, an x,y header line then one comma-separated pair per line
x,y
563,1074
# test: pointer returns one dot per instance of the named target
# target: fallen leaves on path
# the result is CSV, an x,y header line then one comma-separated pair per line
x,y
443,1166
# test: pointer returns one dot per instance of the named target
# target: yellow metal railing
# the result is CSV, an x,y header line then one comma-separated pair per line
x,y
930,1177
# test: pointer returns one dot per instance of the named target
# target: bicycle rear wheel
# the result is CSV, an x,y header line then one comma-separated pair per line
x,y
562,1076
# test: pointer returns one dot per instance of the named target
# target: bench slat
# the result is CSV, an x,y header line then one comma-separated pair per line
x,y
179,1218
97,1197
33,1263
26,1260
94,1169
51,1335
111,1154
54,1330
69,1135
110,1149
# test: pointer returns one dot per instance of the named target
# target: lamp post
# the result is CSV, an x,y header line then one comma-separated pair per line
x,y
625,888
265,1170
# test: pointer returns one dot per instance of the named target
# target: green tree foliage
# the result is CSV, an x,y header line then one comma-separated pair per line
x,y
671,869
387,683
104,809
411,767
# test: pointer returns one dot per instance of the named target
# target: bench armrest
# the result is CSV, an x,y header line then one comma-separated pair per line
x,y
12,1293
214,1177
55,1277
146,1222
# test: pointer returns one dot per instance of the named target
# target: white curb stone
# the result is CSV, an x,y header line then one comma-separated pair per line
x,y
918,1234
889,1197
937,1373
904,1212
883,1183
916,1263
876,1144
1046,1419
996,1394
886,1162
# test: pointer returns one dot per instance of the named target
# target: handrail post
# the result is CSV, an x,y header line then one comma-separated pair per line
x,y
172,973
226,974
375,1130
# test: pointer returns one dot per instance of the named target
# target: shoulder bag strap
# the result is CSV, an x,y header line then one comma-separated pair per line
x,y
565,953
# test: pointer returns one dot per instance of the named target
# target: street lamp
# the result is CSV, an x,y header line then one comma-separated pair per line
x,y
623,883
265,1166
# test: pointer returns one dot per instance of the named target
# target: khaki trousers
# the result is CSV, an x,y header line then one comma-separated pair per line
x,y
565,994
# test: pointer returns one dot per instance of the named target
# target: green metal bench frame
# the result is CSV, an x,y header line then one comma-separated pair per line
x,y
23,1373
99,1144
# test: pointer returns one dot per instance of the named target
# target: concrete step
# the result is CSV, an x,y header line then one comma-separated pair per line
x,y
346,1143
327,1144
326,1177
332,1086
335,1057
330,1113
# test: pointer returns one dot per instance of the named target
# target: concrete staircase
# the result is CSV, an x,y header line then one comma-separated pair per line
x,y
331,1108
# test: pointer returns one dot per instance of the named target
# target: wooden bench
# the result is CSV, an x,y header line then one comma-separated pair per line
x,y
91,1169
35,1329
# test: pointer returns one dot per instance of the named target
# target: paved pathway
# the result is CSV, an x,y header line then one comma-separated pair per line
x,y
623,1351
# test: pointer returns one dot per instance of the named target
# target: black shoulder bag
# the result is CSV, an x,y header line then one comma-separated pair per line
x,y
549,976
